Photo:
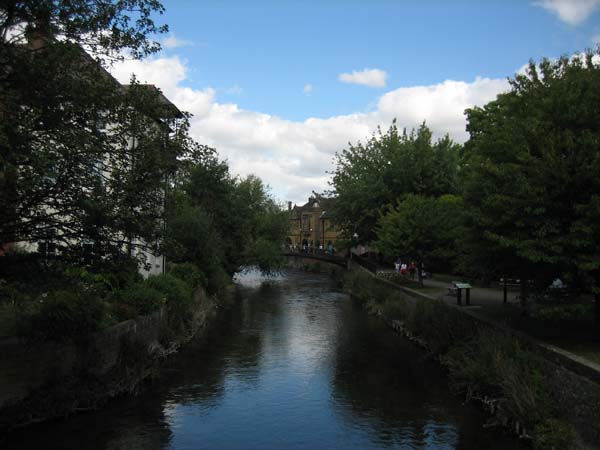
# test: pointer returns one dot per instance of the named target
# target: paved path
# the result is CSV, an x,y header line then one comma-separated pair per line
x,y
479,296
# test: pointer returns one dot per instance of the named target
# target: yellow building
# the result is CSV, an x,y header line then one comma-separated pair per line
x,y
312,226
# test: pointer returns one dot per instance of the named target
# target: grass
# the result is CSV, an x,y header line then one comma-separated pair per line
x,y
434,291
7,320
577,337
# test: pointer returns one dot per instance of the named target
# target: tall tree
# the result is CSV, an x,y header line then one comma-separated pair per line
x,y
531,171
220,222
424,228
54,103
368,178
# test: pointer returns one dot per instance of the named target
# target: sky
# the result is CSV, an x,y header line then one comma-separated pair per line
x,y
279,86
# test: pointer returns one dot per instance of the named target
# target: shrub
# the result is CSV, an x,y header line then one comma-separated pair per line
x,y
64,314
142,298
217,280
560,312
394,307
174,289
440,325
178,295
190,273
474,364
553,434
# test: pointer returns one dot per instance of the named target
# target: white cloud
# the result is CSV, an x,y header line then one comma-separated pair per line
x,y
172,41
367,77
234,90
571,11
308,88
294,156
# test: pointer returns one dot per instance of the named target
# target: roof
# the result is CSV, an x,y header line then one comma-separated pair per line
x,y
316,202
167,109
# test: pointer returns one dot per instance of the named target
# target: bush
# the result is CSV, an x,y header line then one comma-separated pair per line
x,y
178,295
62,315
217,280
175,290
140,298
190,273
440,325
561,312
552,434
394,307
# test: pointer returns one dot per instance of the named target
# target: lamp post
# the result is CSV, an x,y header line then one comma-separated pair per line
x,y
355,237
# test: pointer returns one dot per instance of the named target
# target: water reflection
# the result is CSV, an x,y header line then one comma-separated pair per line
x,y
293,364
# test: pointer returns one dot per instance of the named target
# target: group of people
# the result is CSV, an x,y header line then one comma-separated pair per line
x,y
404,269
305,248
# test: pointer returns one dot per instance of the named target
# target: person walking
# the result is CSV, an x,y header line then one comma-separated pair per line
x,y
412,268
403,269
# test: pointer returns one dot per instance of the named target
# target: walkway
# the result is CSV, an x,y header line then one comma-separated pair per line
x,y
479,296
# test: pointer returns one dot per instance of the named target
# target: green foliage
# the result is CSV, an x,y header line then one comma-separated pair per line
x,y
441,326
501,367
106,28
561,312
178,295
552,434
216,221
218,279
189,273
63,315
530,172
265,254
426,228
175,291
370,177
139,299
56,149
394,307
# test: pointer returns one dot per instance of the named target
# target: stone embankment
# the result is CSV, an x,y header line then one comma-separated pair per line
x,y
39,381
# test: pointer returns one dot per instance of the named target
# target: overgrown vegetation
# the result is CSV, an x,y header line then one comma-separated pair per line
x,y
96,175
484,364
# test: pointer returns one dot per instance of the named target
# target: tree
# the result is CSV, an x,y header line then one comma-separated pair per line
x,y
54,103
243,225
424,228
103,27
531,169
368,178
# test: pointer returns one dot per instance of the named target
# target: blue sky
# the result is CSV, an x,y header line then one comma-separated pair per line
x,y
264,79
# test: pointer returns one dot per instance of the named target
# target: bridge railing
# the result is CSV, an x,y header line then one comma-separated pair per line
x,y
318,255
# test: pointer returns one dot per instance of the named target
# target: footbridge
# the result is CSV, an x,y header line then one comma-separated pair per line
x,y
297,257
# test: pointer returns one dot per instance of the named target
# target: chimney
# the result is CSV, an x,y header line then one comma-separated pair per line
x,y
289,206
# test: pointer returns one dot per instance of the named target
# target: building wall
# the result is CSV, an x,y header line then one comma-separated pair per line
x,y
311,227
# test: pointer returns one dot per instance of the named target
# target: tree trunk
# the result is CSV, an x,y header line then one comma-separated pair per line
x,y
524,290
597,310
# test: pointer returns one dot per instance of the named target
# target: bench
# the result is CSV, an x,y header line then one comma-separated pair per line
x,y
453,290
456,290
512,282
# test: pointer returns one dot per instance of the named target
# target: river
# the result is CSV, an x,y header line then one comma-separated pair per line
x,y
293,364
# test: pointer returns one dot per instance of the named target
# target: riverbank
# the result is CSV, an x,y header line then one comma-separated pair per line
x,y
542,401
42,381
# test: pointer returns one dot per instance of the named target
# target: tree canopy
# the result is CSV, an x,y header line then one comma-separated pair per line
x,y
531,168
81,156
369,177
426,229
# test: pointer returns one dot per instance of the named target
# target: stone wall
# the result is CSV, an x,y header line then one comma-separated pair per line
x,y
26,369
574,382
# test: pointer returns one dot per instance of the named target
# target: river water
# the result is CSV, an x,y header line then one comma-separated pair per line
x,y
294,364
